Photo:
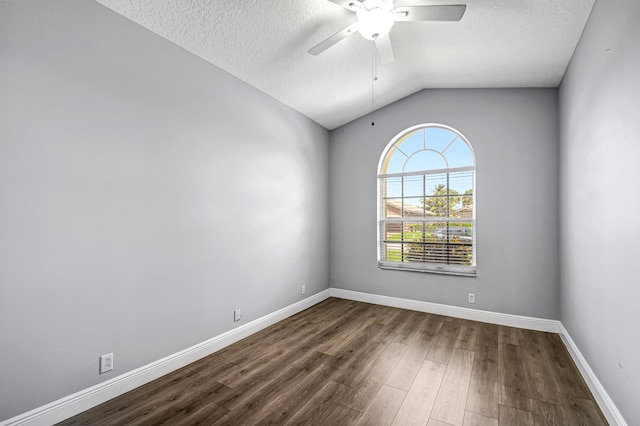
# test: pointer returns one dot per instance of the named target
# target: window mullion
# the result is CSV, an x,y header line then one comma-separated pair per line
x,y
448,247
424,208
402,223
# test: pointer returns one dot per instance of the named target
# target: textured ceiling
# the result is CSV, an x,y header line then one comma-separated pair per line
x,y
498,43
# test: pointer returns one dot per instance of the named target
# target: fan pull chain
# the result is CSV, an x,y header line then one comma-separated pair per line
x,y
374,78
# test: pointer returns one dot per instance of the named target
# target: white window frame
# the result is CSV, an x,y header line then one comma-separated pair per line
x,y
432,267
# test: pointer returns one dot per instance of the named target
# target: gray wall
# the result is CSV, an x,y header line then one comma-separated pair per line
x,y
514,133
144,194
600,171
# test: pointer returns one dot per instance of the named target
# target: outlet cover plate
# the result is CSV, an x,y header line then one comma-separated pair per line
x,y
106,363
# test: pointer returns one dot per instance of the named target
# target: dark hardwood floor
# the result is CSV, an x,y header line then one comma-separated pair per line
x,y
343,362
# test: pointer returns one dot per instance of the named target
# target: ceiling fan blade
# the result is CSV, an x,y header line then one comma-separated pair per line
x,y
385,50
349,4
450,12
342,34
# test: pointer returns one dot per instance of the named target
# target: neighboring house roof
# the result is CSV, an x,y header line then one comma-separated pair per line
x,y
410,211
468,208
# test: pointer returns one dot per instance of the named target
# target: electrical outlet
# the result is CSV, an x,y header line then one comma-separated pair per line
x,y
472,298
106,363
303,289
237,315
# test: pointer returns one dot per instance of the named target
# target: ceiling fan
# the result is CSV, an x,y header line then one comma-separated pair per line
x,y
376,17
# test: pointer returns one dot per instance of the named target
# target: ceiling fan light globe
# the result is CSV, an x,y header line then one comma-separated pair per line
x,y
375,23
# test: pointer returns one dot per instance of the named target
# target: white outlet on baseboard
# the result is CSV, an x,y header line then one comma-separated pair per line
x,y
472,298
237,315
303,289
106,363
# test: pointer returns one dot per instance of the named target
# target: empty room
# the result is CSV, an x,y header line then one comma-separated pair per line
x,y
319,212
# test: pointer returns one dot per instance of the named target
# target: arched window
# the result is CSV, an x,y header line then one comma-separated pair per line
x,y
426,199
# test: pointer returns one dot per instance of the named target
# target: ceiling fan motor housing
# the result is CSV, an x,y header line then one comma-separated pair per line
x,y
375,22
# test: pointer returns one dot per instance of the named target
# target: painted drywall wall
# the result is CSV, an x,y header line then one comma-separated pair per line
x,y
600,149
144,194
514,134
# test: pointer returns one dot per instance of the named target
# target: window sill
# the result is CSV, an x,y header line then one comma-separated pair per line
x,y
464,271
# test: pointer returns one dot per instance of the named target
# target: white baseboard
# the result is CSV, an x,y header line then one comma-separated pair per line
x,y
607,406
538,324
88,398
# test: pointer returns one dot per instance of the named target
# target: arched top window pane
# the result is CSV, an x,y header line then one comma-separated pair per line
x,y
413,143
431,159
459,154
427,147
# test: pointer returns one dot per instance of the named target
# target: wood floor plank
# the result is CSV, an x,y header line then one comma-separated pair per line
x,y
366,384
406,370
512,381
338,343
383,314
319,321
483,388
445,340
545,413
267,361
254,403
475,419
363,348
340,416
510,416
262,349
452,397
565,372
508,335
181,406
467,336
280,374
414,324
541,384
434,324
208,414
384,407
417,405
340,326
436,422
210,366
378,365
400,322
320,405
530,336
582,411
334,337
327,309
288,400
487,335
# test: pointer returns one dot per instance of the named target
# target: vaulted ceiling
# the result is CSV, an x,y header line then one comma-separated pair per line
x,y
497,43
